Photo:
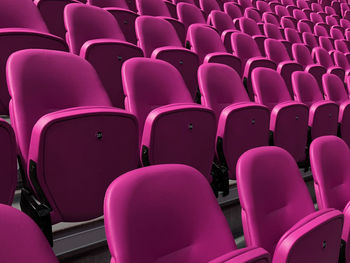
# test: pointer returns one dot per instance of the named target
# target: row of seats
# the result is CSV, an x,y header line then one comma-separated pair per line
x,y
143,222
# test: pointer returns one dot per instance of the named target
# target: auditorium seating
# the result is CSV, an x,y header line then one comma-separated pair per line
x,y
288,121
242,125
279,220
21,239
22,27
172,128
68,135
178,221
329,157
94,34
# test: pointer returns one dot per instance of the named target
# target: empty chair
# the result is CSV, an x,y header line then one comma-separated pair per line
x,y
288,22
310,40
270,18
326,44
77,115
252,13
323,115
263,6
336,33
344,23
190,14
206,42
247,50
22,28
209,5
301,16
158,39
289,119
302,27
274,32
324,59
277,52
334,90
341,60
250,27
160,8
303,234
166,108
316,18
342,46
52,13
245,4
232,10
292,35
331,21
330,157
94,34
149,215
320,30
302,55
8,163
242,124
16,229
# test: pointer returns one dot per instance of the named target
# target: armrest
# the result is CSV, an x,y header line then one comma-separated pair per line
x,y
318,232
251,255
103,42
225,58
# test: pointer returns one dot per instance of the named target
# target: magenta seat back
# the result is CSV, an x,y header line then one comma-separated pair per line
x,y
252,13
263,6
85,23
16,229
334,88
322,56
286,22
269,87
299,14
139,220
281,11
249,26
330,157
341,60
303,27
205,40
320,30
336,33
270,211
221,21
276,51
220,86
153,32
331,21
232,10
316,18
244,47
270,18
245,3
147,85
21,14
344,23
302,54
325,43
292,35
310,40
316,7
272,31
33,77
109,3
306,88
152,8
341,45
209,5
189,14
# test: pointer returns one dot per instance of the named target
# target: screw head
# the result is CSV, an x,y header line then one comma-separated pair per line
x,y
120,58
324,244
297,117
99,135
253,121
190,126
181,62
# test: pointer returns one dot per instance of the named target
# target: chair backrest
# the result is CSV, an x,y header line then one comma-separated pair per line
x,y
84,22
302,4
302,54
341,60
152,8
149,84
320,30
286,22
244,47
310,39
263,6
249,26
252,13
330,158
221,21
344,23
16,229
150,216
325,43
270,18
272,210
336,33
209,5
204,40
21,14
341,45
306,88
331,21
299,14
61,80
316,18
303,27
316,7
276,51
245,3
189,14
322,56
281,11
269,87
154,32
272,31
334,88
109,3
220,86
232,10
292,35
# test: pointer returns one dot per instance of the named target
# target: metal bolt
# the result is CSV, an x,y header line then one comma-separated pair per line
x,y
297,117
253,121
120,58
125,22
190,126
181,62
324,244
99,135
